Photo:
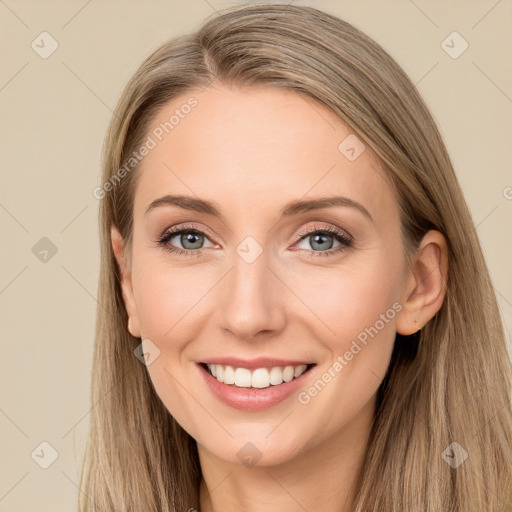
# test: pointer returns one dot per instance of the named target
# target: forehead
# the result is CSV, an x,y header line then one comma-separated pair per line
x,y
254,149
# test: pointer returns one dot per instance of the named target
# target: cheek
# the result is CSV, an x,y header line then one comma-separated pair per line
x,y
169,303
168,296
354,309
346,300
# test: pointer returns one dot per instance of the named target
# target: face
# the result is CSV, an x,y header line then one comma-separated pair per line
x,y
261,277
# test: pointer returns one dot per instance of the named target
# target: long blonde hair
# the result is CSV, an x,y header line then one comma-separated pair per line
x,y
454,386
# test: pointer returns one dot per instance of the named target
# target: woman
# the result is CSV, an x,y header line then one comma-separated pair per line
x,y
238,364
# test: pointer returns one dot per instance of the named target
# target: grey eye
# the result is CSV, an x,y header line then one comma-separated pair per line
x,y
190,240
318,242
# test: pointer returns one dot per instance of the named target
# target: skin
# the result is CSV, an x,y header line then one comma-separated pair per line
x,y
251,151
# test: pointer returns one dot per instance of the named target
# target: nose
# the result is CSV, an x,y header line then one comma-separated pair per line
x,y
252,302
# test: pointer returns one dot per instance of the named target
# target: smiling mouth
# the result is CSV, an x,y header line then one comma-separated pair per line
x,y
259,378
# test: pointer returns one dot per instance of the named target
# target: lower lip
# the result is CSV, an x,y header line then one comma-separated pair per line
x,y
252,399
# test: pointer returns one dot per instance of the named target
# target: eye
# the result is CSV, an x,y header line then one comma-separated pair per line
x,y
190,238
321,240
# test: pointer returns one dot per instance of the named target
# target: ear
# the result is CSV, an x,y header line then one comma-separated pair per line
x,y
425,288
126,283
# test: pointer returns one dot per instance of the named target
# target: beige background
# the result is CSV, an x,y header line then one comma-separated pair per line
x,y
54,115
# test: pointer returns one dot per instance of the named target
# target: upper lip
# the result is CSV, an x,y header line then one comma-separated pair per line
x,y
251,364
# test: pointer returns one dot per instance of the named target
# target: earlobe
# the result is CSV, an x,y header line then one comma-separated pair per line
x,y
425,290
126,282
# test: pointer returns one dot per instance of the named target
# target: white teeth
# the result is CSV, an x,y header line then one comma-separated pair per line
x,y
242,378
229,374
299,370
288,373
276,376
259,378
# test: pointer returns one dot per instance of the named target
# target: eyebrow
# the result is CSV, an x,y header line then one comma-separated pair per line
x,y
292,208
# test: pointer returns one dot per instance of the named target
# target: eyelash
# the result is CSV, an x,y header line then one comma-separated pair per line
x,y
345,241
